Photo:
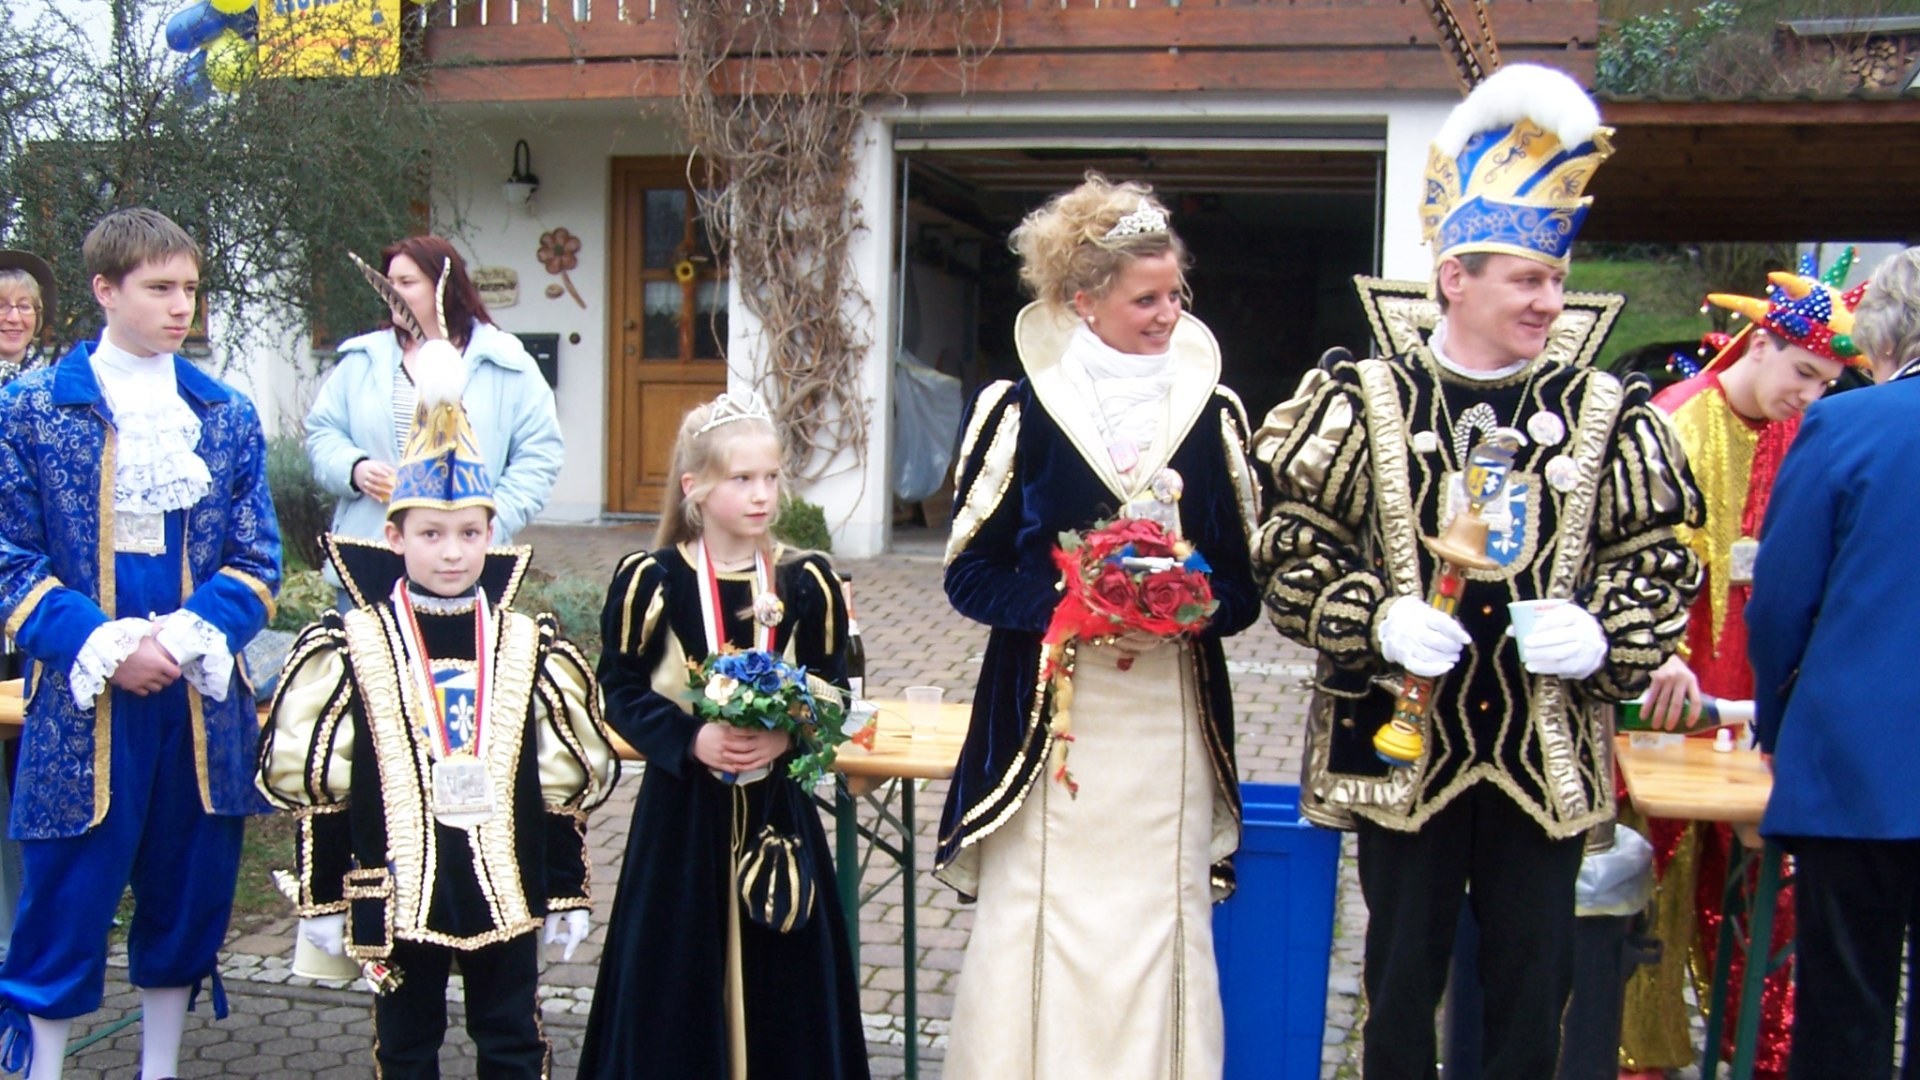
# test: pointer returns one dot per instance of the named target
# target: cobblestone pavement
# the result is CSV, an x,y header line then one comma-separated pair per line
x,y
283,1025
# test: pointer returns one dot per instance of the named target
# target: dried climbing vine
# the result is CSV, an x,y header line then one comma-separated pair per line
x,y
772,95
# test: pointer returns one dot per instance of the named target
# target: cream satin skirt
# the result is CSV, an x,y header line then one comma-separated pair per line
x,y
1092,945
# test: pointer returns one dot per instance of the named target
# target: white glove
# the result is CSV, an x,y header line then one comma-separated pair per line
x,y
1419,638
1566,641
328,933
569,928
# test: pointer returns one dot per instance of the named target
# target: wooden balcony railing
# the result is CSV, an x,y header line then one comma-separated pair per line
x,y
500,50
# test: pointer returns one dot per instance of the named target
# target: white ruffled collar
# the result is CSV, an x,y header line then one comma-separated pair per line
x,y
156,467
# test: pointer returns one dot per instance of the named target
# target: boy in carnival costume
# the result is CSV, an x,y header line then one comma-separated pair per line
x,y
1735,418
139,553
1511,769
441,751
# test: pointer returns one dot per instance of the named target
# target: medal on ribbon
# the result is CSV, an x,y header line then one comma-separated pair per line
x,y
453,718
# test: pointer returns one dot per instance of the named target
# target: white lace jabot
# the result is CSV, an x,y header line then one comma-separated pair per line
x,y
155,467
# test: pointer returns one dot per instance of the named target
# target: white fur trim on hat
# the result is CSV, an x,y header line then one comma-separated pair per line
x,y
1518,92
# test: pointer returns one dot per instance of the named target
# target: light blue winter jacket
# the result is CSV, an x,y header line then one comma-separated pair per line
x,y
508,403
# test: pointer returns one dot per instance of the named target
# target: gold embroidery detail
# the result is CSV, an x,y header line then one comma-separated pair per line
x,y
259,588
826,593
24,609
1247,495
996,472
103,704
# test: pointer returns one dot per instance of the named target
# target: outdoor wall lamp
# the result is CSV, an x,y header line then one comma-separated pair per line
x,y
520,186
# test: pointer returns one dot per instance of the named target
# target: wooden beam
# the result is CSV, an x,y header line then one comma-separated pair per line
x,y
1640,114
1549,23
1420,69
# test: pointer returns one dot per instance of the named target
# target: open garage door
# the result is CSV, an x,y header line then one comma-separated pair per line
x,y
1278,219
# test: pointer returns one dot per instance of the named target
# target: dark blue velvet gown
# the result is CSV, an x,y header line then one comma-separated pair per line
x,y
659,1005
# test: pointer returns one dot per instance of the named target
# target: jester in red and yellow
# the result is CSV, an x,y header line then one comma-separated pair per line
x,y
1736,419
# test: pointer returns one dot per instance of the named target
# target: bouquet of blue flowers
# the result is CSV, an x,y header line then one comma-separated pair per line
x,y
757,689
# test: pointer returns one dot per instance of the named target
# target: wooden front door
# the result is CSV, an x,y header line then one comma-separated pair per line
x,y
668,326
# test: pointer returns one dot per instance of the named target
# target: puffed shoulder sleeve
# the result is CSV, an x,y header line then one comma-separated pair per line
x,y
986,579
577,766
1312,454
306,762
819,614
1645,576
638,655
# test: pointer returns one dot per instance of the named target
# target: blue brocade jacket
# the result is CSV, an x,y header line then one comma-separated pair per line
x,y
57,583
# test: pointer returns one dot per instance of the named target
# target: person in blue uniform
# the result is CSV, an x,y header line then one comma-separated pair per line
x,y
442,751
139,553
1831,627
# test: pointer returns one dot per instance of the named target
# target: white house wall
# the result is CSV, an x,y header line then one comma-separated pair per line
x,y
573,144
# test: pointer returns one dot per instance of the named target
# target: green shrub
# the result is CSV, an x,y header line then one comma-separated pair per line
x,y
304,597
801,524
575,602
304,509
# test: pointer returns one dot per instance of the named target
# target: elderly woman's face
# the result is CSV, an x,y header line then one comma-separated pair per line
x,y
19,321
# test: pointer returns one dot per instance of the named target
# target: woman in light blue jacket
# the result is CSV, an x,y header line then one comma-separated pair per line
x,y
361,418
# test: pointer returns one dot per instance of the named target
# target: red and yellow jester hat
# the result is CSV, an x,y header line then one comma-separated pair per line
x,y
1802,309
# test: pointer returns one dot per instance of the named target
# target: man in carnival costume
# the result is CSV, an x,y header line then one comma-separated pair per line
x,y
139,553
1505,768
441,752
1735,418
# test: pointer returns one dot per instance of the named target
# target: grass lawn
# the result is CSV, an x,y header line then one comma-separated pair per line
x,y
1655,311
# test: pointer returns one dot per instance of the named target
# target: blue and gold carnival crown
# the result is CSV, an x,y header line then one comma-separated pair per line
x,y
1507,171
441,468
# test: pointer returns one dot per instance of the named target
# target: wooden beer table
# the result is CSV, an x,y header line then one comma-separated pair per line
x,y
1688,780
899,757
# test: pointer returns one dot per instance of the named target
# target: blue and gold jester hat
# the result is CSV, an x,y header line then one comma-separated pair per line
x,y
1507,171
442,467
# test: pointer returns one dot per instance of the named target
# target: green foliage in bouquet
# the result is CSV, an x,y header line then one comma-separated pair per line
x,y
756,689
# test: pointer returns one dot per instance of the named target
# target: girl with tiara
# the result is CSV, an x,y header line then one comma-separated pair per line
x,y
690,985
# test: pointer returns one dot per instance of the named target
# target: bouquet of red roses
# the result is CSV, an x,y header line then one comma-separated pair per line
x,y
1123,576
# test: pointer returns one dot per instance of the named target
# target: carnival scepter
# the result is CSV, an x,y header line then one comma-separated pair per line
x,y
1462,547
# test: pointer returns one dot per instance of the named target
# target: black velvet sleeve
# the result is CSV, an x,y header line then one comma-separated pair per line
x,y
819,613
986,580
1221,529
634,628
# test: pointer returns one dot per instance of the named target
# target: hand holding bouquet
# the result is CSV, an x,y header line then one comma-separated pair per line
x,y
761,691
1122,579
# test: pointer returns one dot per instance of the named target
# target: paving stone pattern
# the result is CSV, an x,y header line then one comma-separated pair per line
x,y
284,1025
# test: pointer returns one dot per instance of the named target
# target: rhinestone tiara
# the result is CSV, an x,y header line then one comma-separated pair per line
x,y
730,407
1147,219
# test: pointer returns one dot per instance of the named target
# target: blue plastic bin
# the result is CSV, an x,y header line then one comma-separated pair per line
x,y
1274,939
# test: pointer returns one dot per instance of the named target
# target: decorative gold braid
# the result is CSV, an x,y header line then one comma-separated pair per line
x,y
23,610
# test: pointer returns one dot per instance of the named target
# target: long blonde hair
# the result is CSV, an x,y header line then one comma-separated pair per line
x,y
1064,248
705,454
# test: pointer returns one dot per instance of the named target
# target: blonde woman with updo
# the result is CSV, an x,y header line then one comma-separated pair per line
x,y
1092,946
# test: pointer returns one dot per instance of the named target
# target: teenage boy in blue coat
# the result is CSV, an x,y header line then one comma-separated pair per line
x,y
139,553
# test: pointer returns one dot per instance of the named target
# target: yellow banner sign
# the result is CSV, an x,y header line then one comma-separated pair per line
x,y
329,37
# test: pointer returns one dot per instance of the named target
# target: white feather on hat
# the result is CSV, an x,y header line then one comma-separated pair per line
x,y
1519,92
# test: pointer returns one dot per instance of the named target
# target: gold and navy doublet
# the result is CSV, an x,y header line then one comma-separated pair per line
x,y
1361,462
347,752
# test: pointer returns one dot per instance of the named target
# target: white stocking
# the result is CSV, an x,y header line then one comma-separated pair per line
x,y
49,1047
163,1016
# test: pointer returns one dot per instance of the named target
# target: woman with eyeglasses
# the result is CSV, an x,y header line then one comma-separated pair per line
x,y
26,302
